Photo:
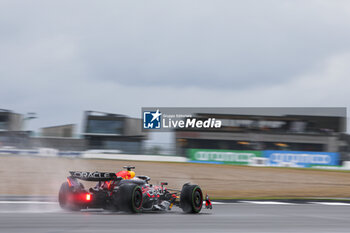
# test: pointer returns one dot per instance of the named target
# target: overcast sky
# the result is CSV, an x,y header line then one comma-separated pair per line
x,y
59,58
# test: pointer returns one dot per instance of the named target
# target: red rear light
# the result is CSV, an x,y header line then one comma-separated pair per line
x,y
88,197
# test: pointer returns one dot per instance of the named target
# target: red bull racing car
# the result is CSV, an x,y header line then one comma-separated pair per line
x,y
123,191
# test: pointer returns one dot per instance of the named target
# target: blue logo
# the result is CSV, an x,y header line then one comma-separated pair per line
x,y
152,120
301,158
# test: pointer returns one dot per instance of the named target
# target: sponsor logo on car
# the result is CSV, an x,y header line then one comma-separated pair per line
x,y
90,174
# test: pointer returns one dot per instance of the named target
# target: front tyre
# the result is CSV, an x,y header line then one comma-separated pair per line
x,y
191,199
129,198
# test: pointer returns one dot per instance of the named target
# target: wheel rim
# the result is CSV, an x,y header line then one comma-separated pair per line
x,y
197,199
138,199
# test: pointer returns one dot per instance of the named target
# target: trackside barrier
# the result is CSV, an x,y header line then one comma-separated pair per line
x,y
70,153
323,160
50,152
239,157
158,158
258,162
12,151
346,165
265,158
301,158
45,152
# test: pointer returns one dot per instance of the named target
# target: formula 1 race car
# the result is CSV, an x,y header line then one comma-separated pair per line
x,y
123,191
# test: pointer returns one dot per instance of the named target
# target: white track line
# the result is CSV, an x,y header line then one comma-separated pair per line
x,y
29,202
221,203
214,203
330,203
268,202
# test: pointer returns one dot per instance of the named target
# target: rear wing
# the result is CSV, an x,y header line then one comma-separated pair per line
x,y
94,176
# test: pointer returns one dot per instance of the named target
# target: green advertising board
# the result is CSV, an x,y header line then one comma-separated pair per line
x,y
241,157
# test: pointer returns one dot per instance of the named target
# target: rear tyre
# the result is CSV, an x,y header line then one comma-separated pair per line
x,y
191,199
129,198
65,197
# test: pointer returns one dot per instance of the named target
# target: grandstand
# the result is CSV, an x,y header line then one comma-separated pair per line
x,y
267,132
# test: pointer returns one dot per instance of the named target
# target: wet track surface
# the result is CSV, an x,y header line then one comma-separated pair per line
x,y
234,217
